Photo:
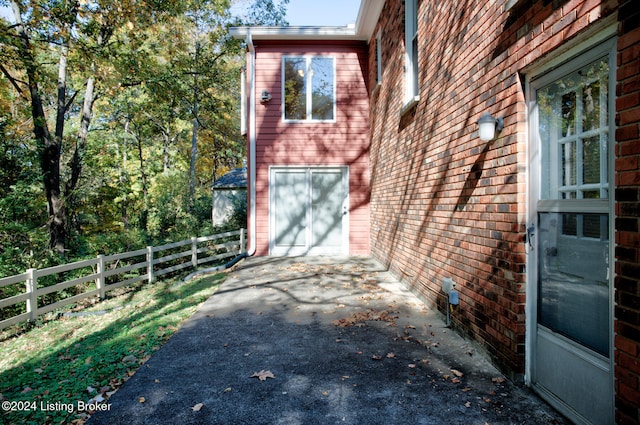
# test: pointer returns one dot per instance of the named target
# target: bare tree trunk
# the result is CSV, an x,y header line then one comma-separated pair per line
x,y
123,177
85,121
143,180
194,135
192,165
48,146
81,147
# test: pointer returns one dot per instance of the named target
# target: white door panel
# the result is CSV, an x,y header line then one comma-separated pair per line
x,y
309,210
571,230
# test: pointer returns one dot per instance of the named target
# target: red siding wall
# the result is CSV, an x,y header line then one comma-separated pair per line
x,y
345,142
627,313
444,203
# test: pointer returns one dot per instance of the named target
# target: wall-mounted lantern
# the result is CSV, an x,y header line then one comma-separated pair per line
x,y
488,126
265,96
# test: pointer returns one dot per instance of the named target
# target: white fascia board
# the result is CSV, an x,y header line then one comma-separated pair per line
x,y
368,17
296,33
363,29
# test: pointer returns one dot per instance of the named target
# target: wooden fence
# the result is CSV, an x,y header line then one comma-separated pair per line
x,y
105,273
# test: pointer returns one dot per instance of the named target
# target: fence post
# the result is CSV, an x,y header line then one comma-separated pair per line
x,y
150,264
242,241
194,252
32,290
100,280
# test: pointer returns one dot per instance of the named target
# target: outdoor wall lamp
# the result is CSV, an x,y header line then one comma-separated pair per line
x,y
488,126
265,96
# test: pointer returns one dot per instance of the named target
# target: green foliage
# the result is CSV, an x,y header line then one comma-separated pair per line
x,y
157,66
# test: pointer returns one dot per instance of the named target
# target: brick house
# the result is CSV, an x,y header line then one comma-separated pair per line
x,y
536,224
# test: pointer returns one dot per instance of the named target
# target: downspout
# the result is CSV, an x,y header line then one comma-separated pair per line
x,y
252,146
252,169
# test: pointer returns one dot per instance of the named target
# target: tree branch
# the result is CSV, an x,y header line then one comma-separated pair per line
x,y
14,82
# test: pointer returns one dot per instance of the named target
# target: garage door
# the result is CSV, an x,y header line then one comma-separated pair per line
x,y
309,210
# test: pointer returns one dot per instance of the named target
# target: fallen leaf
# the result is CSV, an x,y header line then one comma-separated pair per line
x,y
141,399
96,399
376,357
467,404
263,375
227,390
129,359
497,380
38,370
325,393
390,355
457,373
412,366
197,407
455,380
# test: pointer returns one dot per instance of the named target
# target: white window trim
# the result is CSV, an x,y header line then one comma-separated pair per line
x,y
410,32
379,57
309,105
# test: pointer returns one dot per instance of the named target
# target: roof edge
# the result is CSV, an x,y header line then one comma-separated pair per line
x,y
362,30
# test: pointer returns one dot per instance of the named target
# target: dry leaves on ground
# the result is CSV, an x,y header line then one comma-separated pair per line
x,y
364,316
263,375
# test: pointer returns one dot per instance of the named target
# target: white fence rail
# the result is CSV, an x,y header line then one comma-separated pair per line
x,y
108,272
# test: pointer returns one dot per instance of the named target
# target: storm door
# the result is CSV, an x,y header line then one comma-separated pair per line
x,y
308,211
570,235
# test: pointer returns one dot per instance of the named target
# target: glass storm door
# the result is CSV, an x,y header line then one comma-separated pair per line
x,y
570,236
309,211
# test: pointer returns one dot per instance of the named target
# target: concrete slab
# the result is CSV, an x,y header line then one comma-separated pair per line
x,y
344,341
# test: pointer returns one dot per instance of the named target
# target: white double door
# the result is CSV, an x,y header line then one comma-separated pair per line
x,y
308,210
570,233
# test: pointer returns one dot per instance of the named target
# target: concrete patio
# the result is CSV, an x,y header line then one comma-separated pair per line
x,y
319,340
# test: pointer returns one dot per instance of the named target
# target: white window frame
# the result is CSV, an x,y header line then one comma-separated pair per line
x,y
309,88
412,89
379,57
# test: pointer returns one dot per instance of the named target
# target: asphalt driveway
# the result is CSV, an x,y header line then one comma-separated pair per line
x,y
319,340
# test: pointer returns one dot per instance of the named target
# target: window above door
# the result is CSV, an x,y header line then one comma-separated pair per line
x,y
309,88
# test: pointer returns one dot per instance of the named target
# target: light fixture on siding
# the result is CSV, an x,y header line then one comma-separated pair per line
x,y
488,126
265,96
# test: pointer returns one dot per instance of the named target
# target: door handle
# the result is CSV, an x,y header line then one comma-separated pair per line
x,y
530,235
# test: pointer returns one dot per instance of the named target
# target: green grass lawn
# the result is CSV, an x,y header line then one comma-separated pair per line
x,y
52,369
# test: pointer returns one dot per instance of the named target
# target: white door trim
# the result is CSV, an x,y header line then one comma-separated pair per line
x,y
308,248
584,52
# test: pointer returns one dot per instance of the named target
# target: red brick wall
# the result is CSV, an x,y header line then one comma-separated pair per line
x,y
444,203
627,284
345,142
